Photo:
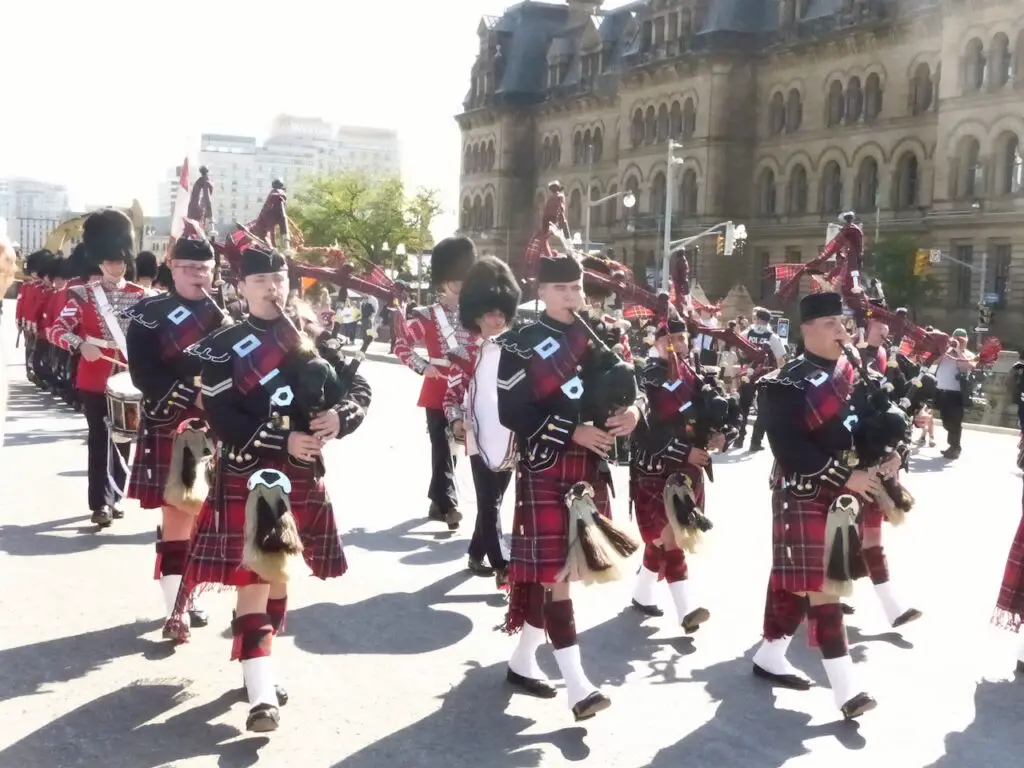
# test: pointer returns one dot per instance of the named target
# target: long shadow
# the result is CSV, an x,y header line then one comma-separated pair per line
x,y
419,547
111,731
748,730
42,540
28,668
994,739
929,464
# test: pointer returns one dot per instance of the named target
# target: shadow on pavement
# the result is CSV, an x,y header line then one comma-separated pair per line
x,y
111,731
43,539
994,737
419,547
28,668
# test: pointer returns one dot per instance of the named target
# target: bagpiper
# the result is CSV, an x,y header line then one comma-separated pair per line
x,y
816,494
562,530
438,328
273,404
93,324
174,449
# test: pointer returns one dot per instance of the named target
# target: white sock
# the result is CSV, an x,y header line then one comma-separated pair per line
x,y
259,681
890,604
577,686
643,591
841,678
771,657
524,658
169,585
682,596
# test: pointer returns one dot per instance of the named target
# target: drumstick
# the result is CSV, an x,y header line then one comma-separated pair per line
x,y
112,360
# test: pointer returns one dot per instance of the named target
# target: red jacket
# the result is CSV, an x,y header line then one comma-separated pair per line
x,y
28,300
54,302
423,330
80,320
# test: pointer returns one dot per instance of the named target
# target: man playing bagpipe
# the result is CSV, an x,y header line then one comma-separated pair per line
x,y
761,335
273,402
554,376
667,475
816,493
92,323
488,302
437,328
174,448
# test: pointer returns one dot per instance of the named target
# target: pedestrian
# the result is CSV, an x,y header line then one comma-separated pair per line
x,y
951,378
348,323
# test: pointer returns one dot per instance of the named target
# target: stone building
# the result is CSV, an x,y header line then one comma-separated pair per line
x,y
910,112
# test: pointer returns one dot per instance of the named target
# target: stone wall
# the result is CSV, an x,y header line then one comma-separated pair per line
x,y
1001,408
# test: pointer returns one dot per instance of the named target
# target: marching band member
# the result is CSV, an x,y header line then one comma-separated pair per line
x,y
29,307
63,271
661,449
760,334
163,326
437,328
146,268
268,503
488,302
44,317
92,324
541,390
806,406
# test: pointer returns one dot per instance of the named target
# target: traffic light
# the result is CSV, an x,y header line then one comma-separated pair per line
x,y
720,245
920,262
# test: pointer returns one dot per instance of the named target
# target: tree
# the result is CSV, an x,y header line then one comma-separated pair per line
x,y
361,213
892,262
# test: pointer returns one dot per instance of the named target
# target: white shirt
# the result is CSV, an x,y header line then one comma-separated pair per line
x,y
946,374
346,315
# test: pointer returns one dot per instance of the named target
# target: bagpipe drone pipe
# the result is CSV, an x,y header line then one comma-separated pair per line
x,y
712,412
879,428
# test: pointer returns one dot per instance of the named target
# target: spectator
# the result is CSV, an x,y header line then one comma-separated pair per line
x,y
956,363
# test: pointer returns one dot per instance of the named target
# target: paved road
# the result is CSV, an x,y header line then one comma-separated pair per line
x,y
396,664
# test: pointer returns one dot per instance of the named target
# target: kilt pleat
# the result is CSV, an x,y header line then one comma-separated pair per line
x,y
540,523
151,466
1009,612
649,500
798,542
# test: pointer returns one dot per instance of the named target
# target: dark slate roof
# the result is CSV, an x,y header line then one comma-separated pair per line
x,y
532,27
745,16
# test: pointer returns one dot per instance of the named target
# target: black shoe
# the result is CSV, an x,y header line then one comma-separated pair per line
x,y
795,682
692,621
529,686
848,610
197,617
453,517
590,706
951,453
647,610
477,567
102,517
263,718
117,514
857,706
909,615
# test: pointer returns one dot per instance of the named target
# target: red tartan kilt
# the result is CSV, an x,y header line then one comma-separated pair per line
x,y
798,542
151,466
871,517
649,500
1010,603
539,526
216,553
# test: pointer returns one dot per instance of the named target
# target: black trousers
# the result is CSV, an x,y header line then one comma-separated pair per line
x,y
41,360
101,458
951,410
442,463
490,490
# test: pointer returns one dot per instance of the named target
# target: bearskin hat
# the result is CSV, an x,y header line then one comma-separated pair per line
x,y
68,269
54,266
489,285
108,235
79,261
163,277
38,262
146,265
451,259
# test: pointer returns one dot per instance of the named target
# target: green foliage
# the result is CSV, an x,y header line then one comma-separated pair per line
x,y
892,262
361,213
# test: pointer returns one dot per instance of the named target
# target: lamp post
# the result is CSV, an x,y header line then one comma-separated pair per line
x,y
671,161
628,201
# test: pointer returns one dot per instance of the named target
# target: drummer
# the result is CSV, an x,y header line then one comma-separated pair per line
x,y
91,324
163,326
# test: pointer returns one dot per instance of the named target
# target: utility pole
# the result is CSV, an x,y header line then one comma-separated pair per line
x,y
670,161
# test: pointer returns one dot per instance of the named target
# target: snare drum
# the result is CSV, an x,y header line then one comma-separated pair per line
x,y
124,404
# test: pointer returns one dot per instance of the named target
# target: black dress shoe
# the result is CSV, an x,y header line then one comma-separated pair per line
x,y
530,686
857,706
453,517
102,517
590,706
909,615
795,682
648,610
116,513
693,620
848,610
263,718
478,568
197,617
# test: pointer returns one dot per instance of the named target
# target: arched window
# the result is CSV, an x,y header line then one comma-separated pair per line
x,y
967,171
921,89
466,214
854,101
999,60
794,110
689,118
588,146
675,121
831,189
598,145
766,192
798,190
650,125
545,153
663,122
577,148
637,128
658,194
777,114
477,160
488,211
866,188
633,185
836,104
467,160
556,151
1009,165
872,97
908,180
611,213
688,193
478,214
490,155
596,211
1018,59
974,66
574,214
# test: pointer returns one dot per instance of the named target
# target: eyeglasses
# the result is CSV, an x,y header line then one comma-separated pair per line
x,y
194,269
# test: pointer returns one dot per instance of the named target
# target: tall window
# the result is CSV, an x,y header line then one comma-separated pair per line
x,y
997,279
962,275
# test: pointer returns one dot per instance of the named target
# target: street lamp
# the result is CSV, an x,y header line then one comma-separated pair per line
x,y
628,201
671,161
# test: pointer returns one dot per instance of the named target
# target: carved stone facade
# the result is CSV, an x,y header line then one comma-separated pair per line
x,y
910,112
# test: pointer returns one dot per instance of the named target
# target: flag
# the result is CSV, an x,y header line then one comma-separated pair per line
x,y
180,205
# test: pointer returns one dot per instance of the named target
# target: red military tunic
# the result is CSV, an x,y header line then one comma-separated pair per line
x,y
24,310
439,330
81,320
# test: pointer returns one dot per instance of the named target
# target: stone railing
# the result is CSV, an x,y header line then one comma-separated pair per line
x,y
1001,407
